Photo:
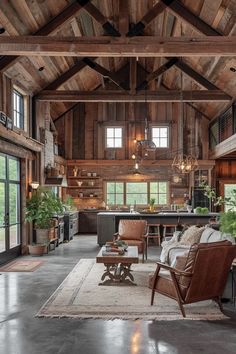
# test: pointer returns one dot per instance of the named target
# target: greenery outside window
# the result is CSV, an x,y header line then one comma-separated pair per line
x,y
160,136
115,193
114,137
18,109
137,193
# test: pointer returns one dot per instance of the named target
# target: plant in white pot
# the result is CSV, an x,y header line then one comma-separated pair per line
x,y
40,209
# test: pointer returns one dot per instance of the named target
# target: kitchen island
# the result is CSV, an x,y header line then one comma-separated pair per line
x,y
107,222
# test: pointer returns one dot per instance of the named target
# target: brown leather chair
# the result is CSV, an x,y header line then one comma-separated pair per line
x,y
202,276
133,232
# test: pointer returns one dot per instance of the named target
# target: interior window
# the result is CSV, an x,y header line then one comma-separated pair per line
x,y
160,136
113,137
18,109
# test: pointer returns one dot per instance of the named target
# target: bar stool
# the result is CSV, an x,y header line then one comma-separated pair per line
x,y
153,234
168,230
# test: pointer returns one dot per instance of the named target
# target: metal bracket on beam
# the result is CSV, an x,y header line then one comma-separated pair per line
x,y
136,30
111,31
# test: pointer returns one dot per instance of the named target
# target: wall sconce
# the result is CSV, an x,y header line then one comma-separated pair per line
x,y
33,186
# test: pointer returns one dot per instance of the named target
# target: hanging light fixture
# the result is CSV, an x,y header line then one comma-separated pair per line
x,y
183,163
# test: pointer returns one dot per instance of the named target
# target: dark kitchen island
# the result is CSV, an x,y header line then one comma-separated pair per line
x,y
107,222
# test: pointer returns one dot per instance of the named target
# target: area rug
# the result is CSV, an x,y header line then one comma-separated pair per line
x,y
21,265
80,296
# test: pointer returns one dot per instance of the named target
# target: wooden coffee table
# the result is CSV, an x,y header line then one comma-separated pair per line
x,y
118,269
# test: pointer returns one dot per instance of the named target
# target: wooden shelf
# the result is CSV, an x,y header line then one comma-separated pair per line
x,y
86,187
83,177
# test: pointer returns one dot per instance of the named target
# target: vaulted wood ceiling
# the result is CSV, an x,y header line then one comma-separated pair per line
x,y
103,17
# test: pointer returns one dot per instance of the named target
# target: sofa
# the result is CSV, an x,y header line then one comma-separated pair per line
x,y
175,251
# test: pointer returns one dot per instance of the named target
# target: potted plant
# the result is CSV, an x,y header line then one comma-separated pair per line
x,y
151,204
227,219
40,209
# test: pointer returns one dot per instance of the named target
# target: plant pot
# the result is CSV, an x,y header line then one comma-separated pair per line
x,y
36,250
42,235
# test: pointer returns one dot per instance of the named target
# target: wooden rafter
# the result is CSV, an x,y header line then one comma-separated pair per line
x,y
68,74
142,96
157,73
183,12
147,18
49,28
105,73
119,47
195,75
100,18
123,17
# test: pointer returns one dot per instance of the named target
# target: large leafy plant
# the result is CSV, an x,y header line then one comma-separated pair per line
x,y
41,207
227,219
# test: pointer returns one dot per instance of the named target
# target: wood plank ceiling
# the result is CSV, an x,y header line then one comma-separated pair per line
x,y
24,17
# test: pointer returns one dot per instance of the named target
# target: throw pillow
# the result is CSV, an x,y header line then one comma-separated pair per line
x,y
192,235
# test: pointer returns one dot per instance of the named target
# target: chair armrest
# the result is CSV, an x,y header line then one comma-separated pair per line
x,y
173,270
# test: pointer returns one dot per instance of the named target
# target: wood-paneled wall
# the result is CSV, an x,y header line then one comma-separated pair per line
x,y
81,131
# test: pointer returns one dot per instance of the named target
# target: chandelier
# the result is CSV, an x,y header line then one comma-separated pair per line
x,y
183,163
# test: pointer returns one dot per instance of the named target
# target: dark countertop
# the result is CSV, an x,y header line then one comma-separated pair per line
x,y
118,213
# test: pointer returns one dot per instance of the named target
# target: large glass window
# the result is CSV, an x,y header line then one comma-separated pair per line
x,y
160,136
228,193
18,109
114,137
137,193
115,193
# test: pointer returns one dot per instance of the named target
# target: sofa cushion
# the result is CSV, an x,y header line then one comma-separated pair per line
x,y
192,235
211,235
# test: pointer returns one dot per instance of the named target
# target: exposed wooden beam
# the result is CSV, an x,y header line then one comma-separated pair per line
x,y
100,18
20,139
142,96
132,74
195,75
119,46
54,24
68,75
123,17
105,73
183,12
147,18
157,73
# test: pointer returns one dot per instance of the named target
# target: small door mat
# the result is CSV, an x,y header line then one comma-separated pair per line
x,y
21,265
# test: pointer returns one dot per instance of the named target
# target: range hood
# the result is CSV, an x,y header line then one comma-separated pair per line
x,y
59,181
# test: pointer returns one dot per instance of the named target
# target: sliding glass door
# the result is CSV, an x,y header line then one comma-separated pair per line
x,y
10,226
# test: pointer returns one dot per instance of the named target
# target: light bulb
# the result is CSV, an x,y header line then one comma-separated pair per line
x,y
133,156
136,165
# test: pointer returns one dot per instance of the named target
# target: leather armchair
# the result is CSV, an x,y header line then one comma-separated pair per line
x,y
201,276
133,232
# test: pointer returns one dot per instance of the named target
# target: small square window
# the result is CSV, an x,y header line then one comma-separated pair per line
x,y
114,137
160,136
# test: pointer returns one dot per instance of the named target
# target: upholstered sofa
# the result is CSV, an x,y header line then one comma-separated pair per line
x,y
178,247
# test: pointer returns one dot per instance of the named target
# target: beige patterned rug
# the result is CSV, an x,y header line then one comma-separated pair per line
x,y
21,265
80,296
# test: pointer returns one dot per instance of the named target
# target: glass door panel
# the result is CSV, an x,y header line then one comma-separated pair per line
x,y
14,213
9,207
2,216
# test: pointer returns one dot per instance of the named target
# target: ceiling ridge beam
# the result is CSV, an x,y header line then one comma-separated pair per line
x,y
54,24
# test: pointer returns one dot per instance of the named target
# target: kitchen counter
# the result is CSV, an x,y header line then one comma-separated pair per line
x,y
108,221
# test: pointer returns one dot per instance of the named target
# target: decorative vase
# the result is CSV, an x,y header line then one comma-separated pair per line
x,y
151,208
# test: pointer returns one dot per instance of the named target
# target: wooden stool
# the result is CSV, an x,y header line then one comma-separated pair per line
x,y
155,234
166,232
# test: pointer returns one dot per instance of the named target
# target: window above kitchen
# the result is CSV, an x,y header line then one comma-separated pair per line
x,y
114,137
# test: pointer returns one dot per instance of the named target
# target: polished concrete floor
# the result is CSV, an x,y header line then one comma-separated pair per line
x,y
22,295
